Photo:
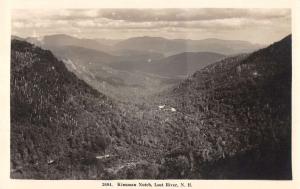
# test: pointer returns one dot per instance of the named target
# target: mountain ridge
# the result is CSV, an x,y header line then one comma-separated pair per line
x,y
59,124
245,103
155,44
175,46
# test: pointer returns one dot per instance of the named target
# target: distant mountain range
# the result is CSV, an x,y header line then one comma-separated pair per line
x,y
84,55
132,70
111,74
66,40
155,55
175,46
151,44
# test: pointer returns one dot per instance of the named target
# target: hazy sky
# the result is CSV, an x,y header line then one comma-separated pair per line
x,y
255,25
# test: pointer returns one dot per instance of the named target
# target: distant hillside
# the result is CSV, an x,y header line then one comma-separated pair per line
x,y
150,45
175,46
63,42
241,110
17,37
116,76
137,56
84,56
66,40
87,55
156,44
179,65
183,64
144,53
109,42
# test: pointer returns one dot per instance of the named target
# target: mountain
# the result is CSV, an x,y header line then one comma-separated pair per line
x,y
16,37
175,46
108,42
175,66
228,47
61,128
121,70
59,40
237,115
67,43
144,53
122,73
183,64
148,45
111,74
151,44
137,56
84,56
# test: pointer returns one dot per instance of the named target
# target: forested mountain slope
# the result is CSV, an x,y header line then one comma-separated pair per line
x,y
59,124
238,112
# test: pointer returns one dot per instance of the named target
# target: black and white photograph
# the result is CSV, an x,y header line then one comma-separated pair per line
x,y
151,94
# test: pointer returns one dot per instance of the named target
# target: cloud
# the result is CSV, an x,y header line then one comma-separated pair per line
x,y
144,15
159,22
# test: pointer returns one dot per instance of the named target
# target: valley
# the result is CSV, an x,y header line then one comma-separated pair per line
x,y
82,110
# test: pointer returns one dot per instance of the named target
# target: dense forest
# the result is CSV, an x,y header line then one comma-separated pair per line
x,y
237,112
59,125
229,120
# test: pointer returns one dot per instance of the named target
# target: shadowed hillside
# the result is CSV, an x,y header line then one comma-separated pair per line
x,y
237,115
59,124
